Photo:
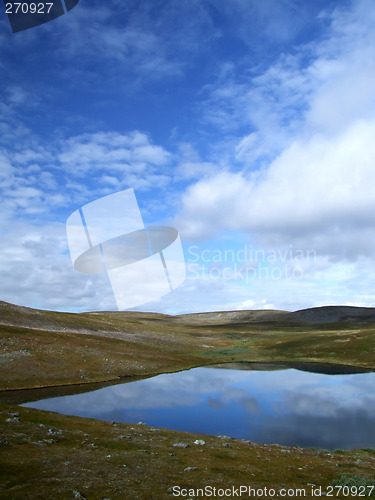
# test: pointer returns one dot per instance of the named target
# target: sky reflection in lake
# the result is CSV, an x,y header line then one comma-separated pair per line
x,y
289,407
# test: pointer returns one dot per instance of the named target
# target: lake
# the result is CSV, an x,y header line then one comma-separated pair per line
x,y
285,406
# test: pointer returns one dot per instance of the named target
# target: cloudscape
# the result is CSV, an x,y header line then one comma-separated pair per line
x,y
248,126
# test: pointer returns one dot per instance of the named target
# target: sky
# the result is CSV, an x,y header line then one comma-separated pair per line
x,y
246,125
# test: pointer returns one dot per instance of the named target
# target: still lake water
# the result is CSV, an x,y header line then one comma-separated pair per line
x,y
288,407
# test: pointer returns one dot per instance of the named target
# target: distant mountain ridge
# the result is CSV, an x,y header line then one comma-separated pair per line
x,y
329,314
112,321
322,314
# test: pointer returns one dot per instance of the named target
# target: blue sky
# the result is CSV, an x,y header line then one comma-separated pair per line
x,y
247,125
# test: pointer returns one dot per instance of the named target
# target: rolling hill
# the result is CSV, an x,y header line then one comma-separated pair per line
x,y
42,348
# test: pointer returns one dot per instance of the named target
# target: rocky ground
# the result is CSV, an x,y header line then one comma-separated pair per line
x,y
50,456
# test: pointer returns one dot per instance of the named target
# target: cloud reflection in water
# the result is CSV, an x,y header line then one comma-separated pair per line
x,y
289,407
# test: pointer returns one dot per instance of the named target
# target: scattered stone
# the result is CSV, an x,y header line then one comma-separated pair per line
x,y
200,442
226,445
223,437
285,451
22,352
188,469
125,437
49,441
12,413
78,495
141,423
181,445
54,432
13,420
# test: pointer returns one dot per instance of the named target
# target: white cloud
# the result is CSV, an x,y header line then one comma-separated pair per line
x,y
271,105
36,270
320,87
321,182
130,42
254,304
317,190
190,164
37,180
112,152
